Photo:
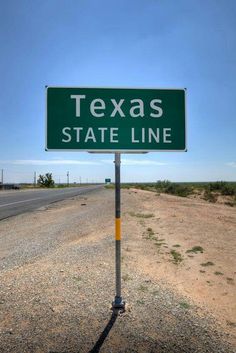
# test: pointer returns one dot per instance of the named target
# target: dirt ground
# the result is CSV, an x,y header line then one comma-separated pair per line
x,y
171,246
207,277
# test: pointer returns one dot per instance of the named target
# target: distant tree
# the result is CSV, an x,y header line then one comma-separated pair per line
x,y
163,184
46,180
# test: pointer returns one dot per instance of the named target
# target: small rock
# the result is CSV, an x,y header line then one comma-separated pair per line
x,y
10,331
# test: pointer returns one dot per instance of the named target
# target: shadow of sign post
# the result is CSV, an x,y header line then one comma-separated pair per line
x,y
104,334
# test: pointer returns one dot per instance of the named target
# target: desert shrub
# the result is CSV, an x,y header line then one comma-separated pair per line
x,y
141,215
231,203
142,187
216,186
221,187
124,186
208,263
173,188
162,184
195,249
178,190
177,257
225,188
208,196
228,190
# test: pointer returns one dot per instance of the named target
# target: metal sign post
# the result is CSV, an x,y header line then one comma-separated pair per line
x,y
118,303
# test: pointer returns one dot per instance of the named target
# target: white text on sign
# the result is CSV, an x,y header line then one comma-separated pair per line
x,y
102,134
98,106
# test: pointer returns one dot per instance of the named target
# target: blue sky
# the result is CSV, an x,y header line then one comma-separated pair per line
x,y
142,43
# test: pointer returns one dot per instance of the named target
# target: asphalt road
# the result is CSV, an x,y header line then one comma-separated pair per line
x,y
20,201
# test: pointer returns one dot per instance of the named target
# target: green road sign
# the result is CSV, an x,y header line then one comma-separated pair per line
x,y
107,181
115,119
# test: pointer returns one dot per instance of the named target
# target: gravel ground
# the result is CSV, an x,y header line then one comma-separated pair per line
x,y
57,283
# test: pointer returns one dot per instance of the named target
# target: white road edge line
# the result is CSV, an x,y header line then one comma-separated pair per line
x,y
38,198
12,203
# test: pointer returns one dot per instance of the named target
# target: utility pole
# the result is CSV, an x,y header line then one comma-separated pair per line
x,y
2,176
80,180
68,178
35,179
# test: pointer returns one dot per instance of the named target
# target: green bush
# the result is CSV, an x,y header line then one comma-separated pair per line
x,y
177,257
228,190
46,180
216,186
178,190
222,187
208,196
173,188
162,184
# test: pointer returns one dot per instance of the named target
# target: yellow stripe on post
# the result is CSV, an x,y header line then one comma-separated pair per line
x,y
118,229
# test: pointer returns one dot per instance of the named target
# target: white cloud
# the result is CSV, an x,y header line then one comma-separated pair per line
x,y
51,162
231,164
135,162
57,162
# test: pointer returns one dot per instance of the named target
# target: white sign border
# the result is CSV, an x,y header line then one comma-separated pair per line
x,y
117,150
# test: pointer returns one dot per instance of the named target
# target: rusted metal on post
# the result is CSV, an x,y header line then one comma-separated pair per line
x,y
118,303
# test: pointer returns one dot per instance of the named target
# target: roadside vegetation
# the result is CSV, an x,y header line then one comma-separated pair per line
x,y
46,180
210,192
141,215
195,249
177,257
56,185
